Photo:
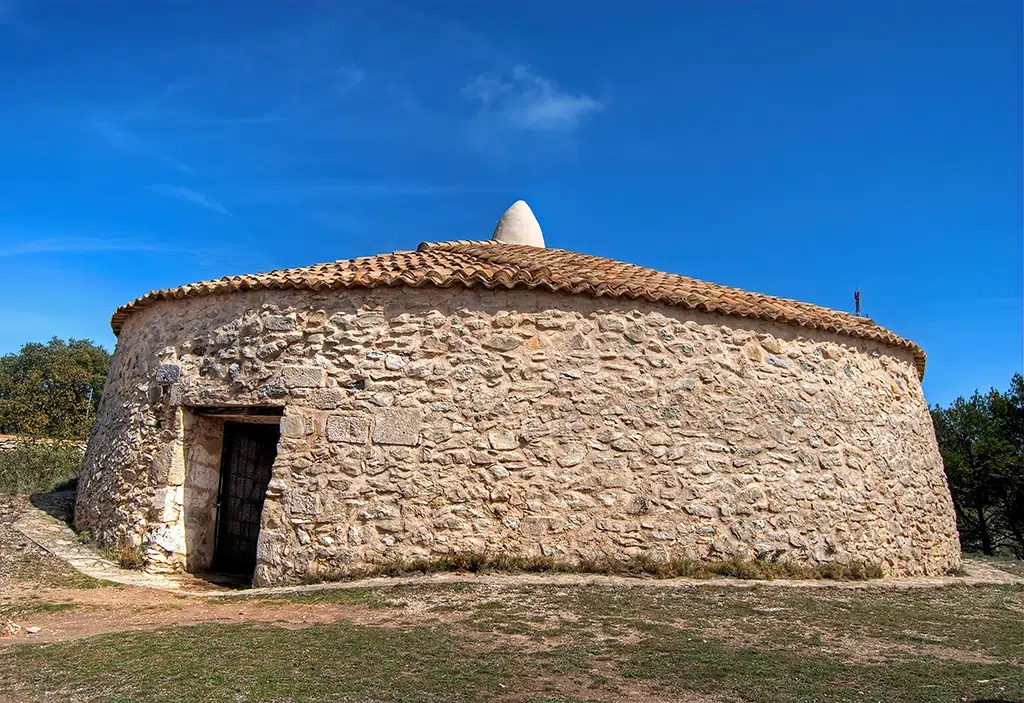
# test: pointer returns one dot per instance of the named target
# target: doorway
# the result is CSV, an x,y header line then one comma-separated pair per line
x,y
246,461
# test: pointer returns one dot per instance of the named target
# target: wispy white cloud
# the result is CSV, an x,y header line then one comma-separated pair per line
x,y
20,321
75,245
342,190
348,78
203,254
122,128
451,35
383,189
189,196
317,92
525,100
122,139
338,221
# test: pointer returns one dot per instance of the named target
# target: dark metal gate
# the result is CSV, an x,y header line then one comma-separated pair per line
x,y
246,459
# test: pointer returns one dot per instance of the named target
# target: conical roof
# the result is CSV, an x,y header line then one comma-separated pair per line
x,y
495,264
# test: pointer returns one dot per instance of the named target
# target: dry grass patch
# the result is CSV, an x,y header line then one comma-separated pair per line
x,y
638,566
557,642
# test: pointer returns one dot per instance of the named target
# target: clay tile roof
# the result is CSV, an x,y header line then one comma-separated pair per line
x,y
492,264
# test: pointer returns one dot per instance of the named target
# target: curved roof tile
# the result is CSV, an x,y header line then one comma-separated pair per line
x,y
491,264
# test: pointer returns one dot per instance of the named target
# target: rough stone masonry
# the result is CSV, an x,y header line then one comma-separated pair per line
x,y
427,421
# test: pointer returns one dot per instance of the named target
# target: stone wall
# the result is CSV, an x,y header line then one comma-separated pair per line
x,y
9,442
419,422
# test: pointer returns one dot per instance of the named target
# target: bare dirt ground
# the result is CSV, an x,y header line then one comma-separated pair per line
x,y
39,590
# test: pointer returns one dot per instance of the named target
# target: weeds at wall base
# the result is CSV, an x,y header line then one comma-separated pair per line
x,y
127,557
638,566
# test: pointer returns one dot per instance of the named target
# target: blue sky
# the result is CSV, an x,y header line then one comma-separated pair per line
x,y
793,147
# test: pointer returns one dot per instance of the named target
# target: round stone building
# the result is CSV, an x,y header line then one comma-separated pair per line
x,y
502,397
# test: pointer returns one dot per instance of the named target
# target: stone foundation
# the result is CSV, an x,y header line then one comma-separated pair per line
x,y
11,442
422,422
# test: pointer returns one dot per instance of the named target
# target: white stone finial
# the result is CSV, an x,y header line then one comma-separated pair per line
x,y
519,226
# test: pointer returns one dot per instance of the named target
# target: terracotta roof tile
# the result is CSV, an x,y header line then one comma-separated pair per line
x,y
491,265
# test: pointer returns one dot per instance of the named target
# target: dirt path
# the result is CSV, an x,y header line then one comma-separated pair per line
x,y
86,613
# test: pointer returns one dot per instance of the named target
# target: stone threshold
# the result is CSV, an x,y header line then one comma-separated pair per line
x,y
57,538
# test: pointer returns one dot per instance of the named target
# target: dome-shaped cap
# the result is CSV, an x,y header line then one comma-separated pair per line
x,y
519,226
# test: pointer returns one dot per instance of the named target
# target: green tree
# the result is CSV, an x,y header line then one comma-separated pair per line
x,y
53,389
982,444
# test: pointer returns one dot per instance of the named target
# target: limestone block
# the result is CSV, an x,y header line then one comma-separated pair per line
x,y
396,426
203,476
271,350
502,441
537,524
635,333
170,538
176,472
279,323
572,455
294,426
302,377
499,472
751,493
699,510
326,398
504,341
167,502
302,504
353,429
176,395
393,362
167,373
611,323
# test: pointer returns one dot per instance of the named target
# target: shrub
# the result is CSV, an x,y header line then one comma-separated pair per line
x,y
32,466
128,557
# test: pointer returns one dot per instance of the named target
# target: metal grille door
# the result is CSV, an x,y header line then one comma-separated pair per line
x,y
247,458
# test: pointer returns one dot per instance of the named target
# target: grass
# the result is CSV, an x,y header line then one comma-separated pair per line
x,y
678,658
21,609
23,563
581,643
41,570
38,466
1008,564
548,643
825,644
127,557
44,569
335,662
641,565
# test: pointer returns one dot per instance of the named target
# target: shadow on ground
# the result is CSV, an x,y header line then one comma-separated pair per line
x,y
57,504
